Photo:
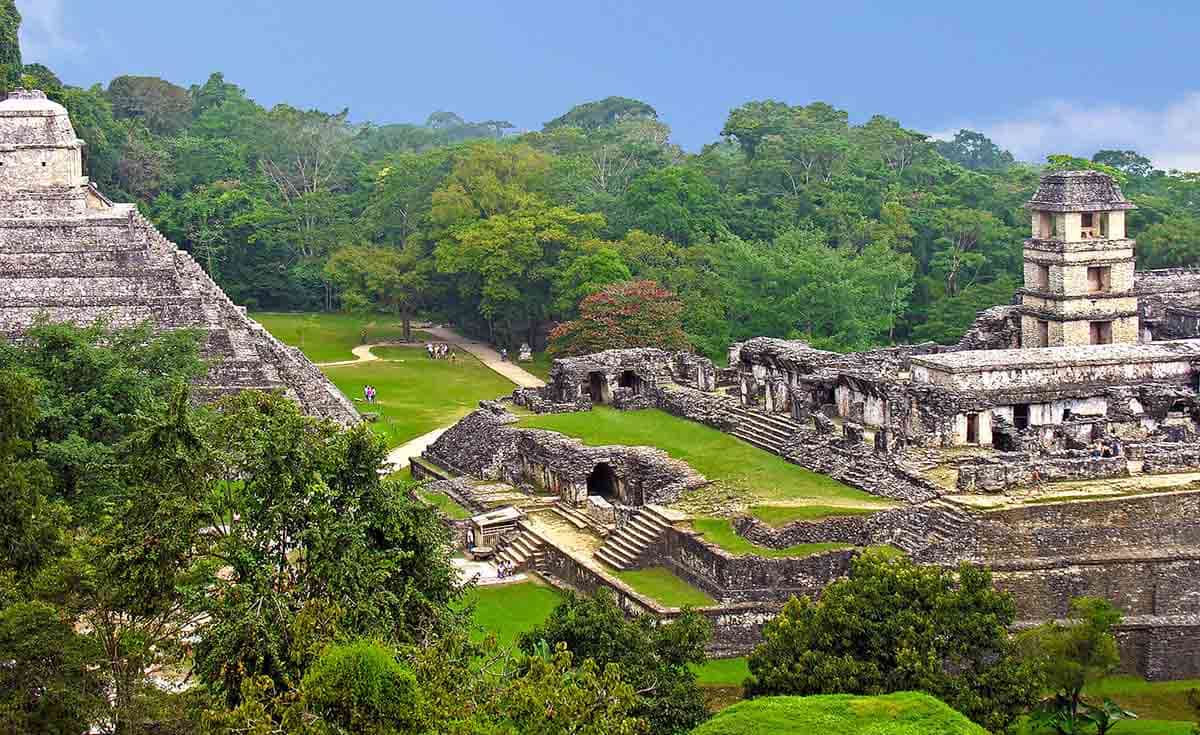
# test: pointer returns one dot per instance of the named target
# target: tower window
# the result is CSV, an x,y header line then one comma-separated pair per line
x,y
1043,328
1101,333
1099,279
1041,277
1087,226
1045,225
1102,224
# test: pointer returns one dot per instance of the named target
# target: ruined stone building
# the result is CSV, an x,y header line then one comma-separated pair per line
x,y
1057,444
69,254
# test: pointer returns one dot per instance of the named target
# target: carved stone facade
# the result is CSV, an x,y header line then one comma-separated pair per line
x,y
68,254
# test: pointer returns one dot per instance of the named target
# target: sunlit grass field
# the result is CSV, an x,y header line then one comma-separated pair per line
x,y
725,460
331,337
415,395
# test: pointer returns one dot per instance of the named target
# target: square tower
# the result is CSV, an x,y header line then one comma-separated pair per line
x,y
1078,264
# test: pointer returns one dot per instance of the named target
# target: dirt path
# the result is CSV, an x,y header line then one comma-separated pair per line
x,y
489,357
362,353
401,456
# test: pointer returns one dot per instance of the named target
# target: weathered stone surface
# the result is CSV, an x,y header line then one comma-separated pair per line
x,y
68,254
486,445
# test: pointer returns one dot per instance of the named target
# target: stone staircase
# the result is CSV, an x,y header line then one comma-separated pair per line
x,y
572,516
523,551
770,432
624,547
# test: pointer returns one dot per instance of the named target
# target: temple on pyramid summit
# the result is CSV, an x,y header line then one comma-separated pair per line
x,y
71,255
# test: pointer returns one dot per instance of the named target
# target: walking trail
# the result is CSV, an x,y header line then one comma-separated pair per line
x,y
401,456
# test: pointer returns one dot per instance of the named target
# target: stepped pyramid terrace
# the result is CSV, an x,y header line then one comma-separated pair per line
x,y
1057,444
69,254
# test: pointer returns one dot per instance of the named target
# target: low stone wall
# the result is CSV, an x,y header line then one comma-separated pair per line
x,y
733,578
999,473
1145,584
1170,457
1161,648
844,529
737,628
711,409
1077,529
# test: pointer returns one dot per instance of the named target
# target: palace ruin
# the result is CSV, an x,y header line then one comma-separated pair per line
x,y
1057,444
68,254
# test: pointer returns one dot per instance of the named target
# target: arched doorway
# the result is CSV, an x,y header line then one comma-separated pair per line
x,y
603,481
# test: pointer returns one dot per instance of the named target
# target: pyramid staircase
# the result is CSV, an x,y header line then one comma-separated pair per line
x,y
624,547
523,551
770,432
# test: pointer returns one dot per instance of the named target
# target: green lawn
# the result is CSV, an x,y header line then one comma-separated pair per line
x,y
720,532
445,504
511,609
331,337
903,713
781,515
727,461
415,395
659,583
722,672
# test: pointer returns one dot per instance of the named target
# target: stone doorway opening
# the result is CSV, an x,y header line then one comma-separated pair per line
x,y
972,428
596,387
602,481
629,379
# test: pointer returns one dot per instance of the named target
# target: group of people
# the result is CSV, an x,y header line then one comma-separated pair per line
x,y
369,393
440,351
1109,446
505,569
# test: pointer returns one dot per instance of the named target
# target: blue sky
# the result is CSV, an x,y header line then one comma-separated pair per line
x,y
1039,77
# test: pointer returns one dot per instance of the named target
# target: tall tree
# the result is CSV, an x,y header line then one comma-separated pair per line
x,y
10,46
629,314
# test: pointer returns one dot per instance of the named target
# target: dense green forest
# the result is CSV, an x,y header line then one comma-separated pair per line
x,y
796,222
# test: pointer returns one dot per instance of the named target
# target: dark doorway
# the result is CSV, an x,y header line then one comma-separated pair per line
x,y
972,428
629,379
1021,416
596,387
603,481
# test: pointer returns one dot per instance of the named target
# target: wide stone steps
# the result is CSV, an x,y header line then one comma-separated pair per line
x,y
623,548
765,431
574,517
523,551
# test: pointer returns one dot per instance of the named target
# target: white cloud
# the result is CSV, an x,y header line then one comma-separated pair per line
x,y
1169,136
43,35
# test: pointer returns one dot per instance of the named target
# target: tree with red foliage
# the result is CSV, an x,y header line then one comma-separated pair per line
x,y
625,314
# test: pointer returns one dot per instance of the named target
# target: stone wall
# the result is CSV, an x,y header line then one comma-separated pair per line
x,y
486,445
853,530
1164,583
737,627
1008,470
732,578
1159,648
1104,525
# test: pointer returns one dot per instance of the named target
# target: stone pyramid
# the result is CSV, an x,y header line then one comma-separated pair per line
x,y
68,253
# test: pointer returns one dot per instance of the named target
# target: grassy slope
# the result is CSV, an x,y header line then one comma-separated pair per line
x,y
660,584
445,504
330,337
903,713
781,515
511,609
720,457
416,395
720,532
